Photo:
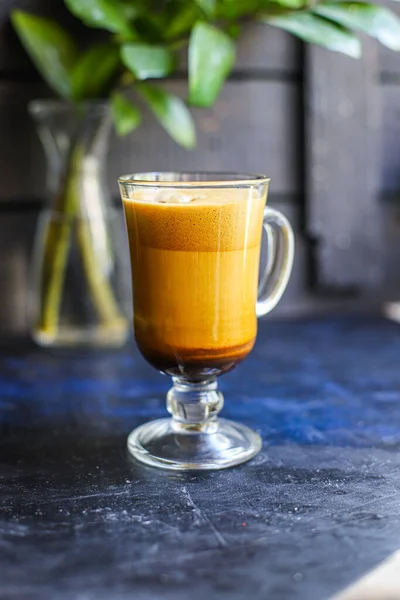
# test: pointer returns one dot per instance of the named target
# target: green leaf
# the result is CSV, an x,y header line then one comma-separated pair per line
x,y
126,116
182,21
316,30
376,21
211,58
233,30
294,4
51,49
93,71
104,14
171,112
208,6
233,9
146,61
133,10
151,28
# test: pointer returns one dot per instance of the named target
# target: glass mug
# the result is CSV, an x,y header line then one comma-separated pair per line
x,y
195,242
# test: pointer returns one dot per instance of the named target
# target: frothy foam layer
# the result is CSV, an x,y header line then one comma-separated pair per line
x,y
161,195
211,220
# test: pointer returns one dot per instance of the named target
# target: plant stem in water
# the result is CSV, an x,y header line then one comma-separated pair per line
x,y
102,293
57,242
57,245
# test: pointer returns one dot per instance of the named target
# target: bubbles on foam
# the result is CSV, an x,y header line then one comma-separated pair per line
x,y
175,199
168,197
182,197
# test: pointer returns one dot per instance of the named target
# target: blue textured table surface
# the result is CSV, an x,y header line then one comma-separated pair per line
x,y
313,512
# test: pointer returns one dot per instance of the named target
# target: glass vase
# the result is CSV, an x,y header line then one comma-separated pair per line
x,y
78,279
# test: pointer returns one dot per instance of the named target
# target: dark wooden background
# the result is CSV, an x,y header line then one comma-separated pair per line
x,y
324,127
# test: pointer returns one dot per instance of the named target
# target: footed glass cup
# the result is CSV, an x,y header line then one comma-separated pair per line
x,y
195,241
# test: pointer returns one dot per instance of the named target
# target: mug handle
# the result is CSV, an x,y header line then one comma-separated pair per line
x,y
276,275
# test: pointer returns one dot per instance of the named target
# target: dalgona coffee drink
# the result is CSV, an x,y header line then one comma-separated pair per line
x,y
195,258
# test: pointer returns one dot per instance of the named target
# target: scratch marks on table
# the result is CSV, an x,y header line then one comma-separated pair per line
x,y
202,517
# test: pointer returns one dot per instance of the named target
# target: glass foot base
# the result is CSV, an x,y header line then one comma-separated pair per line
x,y
169,445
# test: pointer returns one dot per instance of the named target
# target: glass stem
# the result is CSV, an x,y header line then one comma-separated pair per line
x,y
194,406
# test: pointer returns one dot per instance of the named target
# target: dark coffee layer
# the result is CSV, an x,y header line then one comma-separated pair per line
x,y
195,364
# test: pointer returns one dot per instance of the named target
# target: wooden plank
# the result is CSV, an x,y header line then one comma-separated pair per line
x,y
297,292
389,61
253,127
16,235
390,172
264,51
342,174
265,48
12,57
22,172
391,218
299,299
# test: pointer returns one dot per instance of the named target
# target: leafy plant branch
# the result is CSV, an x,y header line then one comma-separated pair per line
x,y
144,43
146,38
